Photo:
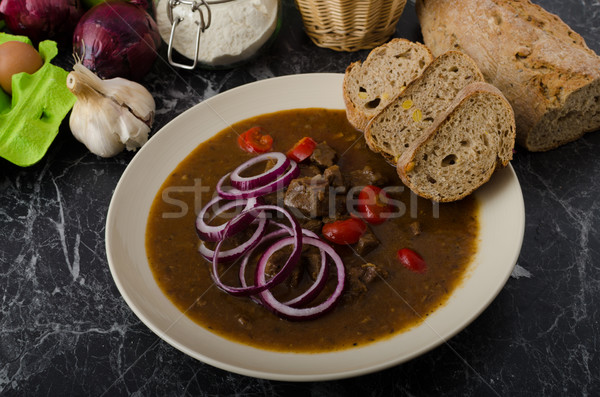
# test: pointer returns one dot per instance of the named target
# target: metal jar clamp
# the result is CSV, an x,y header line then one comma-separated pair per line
x,y
203,24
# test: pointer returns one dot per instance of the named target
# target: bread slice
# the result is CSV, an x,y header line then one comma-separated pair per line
x,y
544,68
463,147
413,111
370,85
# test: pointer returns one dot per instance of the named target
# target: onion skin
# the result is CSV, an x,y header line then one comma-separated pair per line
x,y
117,39
41,19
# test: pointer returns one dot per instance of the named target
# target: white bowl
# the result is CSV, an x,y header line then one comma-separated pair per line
x,y
502,225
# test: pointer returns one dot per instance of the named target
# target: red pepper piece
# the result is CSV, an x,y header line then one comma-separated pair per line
x,y
373,205
344,232
255,141
302,149
412,261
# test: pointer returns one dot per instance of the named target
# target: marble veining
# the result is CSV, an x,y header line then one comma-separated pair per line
x,y
65,330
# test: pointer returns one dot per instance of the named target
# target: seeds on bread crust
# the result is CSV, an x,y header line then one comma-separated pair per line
x,y
370,85
392,130
461,150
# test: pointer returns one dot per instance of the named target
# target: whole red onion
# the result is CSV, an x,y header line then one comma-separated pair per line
x,y
41,19
117,39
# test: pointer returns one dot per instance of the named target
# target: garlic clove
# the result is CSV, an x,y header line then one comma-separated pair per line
x,y
92,131
142,107
132,131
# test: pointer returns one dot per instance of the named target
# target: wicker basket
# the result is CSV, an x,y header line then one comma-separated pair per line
x,y
350,25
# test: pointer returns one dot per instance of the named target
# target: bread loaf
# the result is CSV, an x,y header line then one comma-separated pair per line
x,y
370,85
401,122
463,147
545,70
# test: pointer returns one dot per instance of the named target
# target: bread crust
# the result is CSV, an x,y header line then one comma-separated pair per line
x,y
414,85
531,55
356,115
406,160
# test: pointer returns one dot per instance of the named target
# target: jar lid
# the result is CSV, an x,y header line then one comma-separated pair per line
x,y
203,24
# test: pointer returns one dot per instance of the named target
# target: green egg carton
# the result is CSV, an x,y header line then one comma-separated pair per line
x,y
30,119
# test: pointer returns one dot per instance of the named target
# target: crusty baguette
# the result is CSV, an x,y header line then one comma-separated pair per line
x,y
392,130
463,146
545,70
370,85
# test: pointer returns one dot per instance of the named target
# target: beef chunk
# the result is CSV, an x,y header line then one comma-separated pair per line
x,y
311,259
343,217
323,155
355,288
335,208
277,260
335,178
371,272
358,277
340,206
314,225
309,170
367,176
415,228
275,198
309,195
366,243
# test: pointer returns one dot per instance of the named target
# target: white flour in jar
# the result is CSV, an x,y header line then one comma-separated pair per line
x,y
237,30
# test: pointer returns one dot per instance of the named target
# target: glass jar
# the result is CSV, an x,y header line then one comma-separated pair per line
x,y
217,34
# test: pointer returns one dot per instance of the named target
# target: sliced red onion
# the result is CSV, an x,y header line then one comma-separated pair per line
x,y
232,254
294,313
247,183
315,288
285,269
244,265
273,186
305,232
215,233
318,284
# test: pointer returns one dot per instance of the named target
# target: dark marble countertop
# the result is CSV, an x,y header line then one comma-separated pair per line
x,y
65,330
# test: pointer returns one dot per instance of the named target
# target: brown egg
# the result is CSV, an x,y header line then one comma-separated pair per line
x,y
17,57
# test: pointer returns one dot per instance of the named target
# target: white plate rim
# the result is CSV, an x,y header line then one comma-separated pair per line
x,y
502,194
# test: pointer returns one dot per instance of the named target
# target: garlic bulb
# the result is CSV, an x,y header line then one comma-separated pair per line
x,y
109,115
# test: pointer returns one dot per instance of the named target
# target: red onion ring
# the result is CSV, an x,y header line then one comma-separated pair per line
x,y
294,313
311,292
234,253
247,183
273,186
305,232
246,258
285,270
215,233
317,286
